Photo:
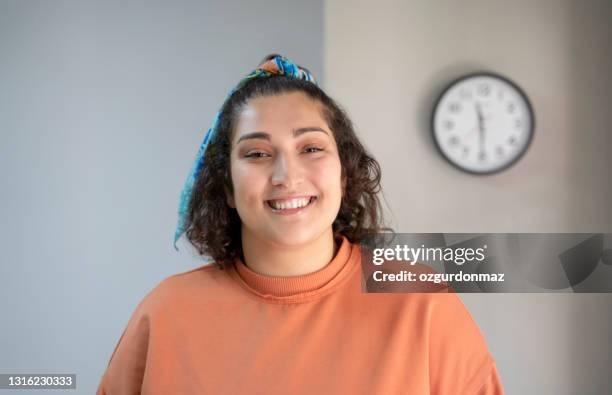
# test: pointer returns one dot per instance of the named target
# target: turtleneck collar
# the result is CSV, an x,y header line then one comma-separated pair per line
x,y
304,287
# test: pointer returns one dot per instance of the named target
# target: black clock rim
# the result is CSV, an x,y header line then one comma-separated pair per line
x,y
483,73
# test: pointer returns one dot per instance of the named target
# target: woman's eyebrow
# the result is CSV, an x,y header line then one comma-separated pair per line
x,y
297,132
254,135
266,136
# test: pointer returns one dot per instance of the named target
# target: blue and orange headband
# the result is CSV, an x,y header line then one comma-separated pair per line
x,y
271,65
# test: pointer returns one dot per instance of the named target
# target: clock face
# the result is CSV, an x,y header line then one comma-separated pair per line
x,y
482,123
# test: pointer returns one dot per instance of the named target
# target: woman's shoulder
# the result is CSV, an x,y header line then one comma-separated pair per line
x,y
208,274
456,344
202,282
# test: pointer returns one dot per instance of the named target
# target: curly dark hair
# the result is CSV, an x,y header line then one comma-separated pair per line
x,y
213,227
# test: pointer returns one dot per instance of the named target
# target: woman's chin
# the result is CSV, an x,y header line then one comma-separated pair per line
x,y
295,237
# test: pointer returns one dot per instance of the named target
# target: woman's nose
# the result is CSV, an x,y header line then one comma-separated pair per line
x,y
287,171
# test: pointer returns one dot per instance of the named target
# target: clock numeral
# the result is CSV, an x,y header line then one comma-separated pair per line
x,y
465,150
518,123
484,89
454,107
512,140
453,141
482,156
511,108
499,150
449,124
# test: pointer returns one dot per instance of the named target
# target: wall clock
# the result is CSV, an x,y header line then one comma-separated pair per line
x,y
482,123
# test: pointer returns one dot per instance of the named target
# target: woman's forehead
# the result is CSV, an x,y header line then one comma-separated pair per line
x,y
280,115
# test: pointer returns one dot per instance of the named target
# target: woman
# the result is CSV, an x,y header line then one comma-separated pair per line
x,y
280,200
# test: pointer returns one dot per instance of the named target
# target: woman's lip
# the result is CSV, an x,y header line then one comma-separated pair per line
x,y
290,211
291,198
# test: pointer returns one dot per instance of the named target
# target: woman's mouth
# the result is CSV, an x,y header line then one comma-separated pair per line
x,y
290,206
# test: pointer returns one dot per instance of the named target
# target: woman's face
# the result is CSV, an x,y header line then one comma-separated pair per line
x,y
286,171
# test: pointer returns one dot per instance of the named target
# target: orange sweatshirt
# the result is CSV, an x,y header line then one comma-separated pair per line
x,y
210,331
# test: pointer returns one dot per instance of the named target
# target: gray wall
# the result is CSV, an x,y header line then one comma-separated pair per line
x,y
403,53
102,108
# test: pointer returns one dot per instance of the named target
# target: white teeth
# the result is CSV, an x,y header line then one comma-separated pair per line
x,y
287,204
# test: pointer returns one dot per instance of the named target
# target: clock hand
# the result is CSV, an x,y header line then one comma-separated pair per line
x,y
481,129
479,113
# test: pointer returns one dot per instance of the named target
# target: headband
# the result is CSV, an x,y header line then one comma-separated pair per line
x,y
271,65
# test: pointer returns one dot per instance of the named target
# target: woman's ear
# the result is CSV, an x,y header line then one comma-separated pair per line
x,y
229,198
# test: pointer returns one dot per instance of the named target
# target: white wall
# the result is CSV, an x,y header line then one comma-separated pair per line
x,y
387,62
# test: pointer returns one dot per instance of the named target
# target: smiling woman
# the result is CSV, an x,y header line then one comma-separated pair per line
x,y
279,138
280,196
287,184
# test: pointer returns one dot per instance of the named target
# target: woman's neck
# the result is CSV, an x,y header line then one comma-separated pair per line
x,y
271,259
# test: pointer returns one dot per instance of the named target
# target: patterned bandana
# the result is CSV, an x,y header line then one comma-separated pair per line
x,y
271,65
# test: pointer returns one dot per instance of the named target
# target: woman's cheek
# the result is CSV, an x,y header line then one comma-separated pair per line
x,y
239,177
330,172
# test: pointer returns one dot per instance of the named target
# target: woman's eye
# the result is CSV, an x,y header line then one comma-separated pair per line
x,y
313,149
255,154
